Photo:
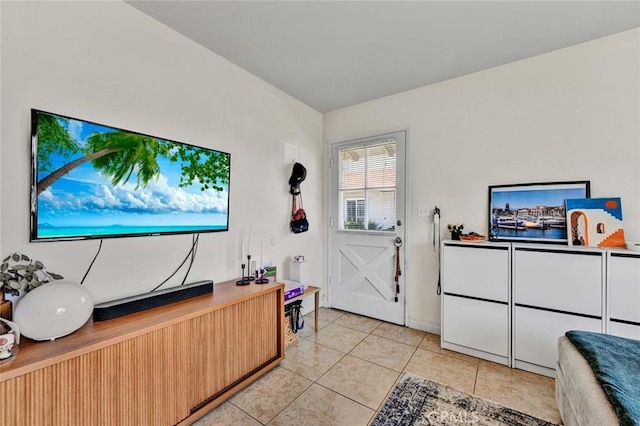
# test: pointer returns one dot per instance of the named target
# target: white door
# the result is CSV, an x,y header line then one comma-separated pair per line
x,y
367,221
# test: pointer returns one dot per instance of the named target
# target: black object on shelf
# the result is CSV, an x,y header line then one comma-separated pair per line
x,y
129,305
244,280
262,279
249,276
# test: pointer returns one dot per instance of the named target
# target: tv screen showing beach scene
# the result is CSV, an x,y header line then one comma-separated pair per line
x,y
95,181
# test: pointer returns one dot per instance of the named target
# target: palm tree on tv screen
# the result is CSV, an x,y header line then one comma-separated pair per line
x,y
118,154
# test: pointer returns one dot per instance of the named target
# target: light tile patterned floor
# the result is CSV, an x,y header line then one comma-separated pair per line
x,y
342,374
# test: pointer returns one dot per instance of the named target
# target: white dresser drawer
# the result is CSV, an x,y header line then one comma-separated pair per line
x,y
476,270
570,281
624,287
537,332
476,324
629,331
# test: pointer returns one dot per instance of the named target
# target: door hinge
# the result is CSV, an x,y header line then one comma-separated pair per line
x,y
331,222
330,281
331,162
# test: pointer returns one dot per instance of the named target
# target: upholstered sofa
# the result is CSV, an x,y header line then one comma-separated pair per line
x,y
598,379
581,400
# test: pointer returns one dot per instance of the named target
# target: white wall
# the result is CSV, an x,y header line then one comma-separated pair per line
x,y
109,63
1,251
573,114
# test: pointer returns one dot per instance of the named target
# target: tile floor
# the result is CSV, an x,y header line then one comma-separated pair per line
x,y
342,374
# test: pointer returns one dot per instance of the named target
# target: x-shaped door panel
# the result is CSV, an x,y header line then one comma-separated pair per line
x,y
366,270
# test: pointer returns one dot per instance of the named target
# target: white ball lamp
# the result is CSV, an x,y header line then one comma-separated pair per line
x,y
53,310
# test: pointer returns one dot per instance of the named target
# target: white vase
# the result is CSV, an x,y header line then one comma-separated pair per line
x,y
53,310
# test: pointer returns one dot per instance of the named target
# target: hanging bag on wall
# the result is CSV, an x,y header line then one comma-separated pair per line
x,y
299,222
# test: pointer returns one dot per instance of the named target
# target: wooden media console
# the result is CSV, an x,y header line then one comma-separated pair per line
x,y
168,365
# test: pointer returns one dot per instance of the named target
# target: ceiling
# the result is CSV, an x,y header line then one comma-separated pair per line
x,y
333,54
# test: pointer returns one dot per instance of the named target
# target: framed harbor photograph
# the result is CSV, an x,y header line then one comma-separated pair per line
x,y
532,212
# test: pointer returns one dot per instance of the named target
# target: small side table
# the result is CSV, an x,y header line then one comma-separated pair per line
x,y
308,291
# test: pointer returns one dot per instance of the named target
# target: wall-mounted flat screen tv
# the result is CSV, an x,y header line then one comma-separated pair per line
x,y
95,181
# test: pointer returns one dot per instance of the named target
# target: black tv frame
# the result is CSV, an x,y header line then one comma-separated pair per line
x,y
33,201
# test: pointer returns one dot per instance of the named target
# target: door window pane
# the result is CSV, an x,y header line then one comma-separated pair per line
x,y
352,168
354,214
367,186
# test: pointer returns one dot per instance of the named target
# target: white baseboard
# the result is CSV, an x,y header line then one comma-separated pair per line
x,y
308,302
424,326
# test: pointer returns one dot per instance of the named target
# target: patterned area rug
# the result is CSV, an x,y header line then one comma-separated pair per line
x,y
418,401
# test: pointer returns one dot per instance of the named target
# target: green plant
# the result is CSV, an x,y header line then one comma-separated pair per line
x,y
20,271
357,224
455,228
371,226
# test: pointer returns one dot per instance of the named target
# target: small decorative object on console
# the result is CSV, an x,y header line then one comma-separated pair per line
x,y
456,230
472,236
53,310
9,334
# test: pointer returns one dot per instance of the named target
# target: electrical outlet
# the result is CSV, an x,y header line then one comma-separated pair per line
x,y
423,210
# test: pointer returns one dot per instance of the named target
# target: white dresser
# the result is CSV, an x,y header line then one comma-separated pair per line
x,y
509,302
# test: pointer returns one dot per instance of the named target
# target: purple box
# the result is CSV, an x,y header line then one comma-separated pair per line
x,y
290,293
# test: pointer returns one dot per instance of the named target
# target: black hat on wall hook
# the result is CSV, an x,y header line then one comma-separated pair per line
x,y
298,175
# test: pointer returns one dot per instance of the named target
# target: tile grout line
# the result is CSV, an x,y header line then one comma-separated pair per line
x,y
321,376
374,411
404,368
294,399
289,404
240,408
345,396
475,381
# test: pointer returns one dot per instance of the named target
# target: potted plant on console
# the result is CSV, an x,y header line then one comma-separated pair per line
x,y
456,230
19,271
45,312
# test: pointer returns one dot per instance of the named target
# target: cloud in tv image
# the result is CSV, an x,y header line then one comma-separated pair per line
x,y
94,180
595,222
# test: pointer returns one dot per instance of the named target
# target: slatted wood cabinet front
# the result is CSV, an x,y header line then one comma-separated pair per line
x,y
169,365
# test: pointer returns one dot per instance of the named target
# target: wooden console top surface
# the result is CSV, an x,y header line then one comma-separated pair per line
x,y
33,355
